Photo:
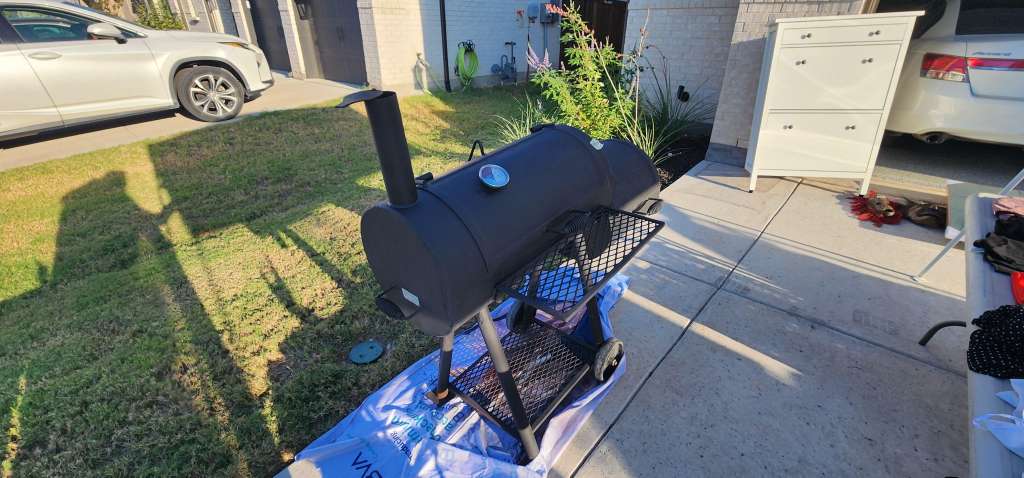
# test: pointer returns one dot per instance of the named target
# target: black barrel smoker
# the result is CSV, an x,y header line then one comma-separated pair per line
x,y
547,220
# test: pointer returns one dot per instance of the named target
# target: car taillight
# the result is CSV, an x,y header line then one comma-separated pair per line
x,y
996,64
944,67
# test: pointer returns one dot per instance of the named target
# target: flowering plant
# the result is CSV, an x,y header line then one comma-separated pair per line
x,y
583,93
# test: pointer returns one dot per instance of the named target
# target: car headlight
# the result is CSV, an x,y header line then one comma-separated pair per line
x,y
239,45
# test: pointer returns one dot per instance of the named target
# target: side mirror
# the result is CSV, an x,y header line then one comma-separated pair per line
x,y
106,31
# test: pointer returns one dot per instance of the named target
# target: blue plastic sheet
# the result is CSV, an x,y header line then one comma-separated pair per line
x,y
397,432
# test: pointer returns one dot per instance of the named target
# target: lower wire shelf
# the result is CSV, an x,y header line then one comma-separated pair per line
x,y
545,364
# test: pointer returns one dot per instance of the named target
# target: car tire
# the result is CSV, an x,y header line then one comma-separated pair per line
x,y
209,93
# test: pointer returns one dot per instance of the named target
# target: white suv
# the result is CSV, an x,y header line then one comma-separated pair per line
x,y
964,76
62,65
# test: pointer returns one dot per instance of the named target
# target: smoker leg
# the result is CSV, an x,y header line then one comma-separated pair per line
x,y
508,384
441,395
593,311
594,316
529,312
937,327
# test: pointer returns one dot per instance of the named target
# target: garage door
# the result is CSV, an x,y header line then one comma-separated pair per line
x,y
339,40
266,19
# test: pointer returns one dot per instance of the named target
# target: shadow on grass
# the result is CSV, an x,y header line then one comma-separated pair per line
x,y
208,336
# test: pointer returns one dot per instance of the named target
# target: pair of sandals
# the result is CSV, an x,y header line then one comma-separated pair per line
x,y
932,216
882,210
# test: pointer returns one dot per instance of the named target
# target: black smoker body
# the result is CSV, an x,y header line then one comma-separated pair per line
x,y
546,220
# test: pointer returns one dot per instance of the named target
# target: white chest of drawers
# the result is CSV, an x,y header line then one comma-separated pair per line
x,y
826,87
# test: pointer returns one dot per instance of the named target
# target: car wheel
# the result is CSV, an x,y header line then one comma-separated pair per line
x,y
208,93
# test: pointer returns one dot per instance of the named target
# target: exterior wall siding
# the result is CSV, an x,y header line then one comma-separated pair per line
x,y
196,17
243,20
693,35
286,8
402,39
743,68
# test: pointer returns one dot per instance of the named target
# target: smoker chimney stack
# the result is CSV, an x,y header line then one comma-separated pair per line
x,y
392,148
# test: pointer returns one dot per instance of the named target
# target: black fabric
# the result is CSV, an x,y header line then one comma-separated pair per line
x,y
1011,226
1006,255
997,346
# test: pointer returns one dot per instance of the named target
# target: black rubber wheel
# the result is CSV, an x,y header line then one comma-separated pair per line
x,y
607,359
517,318
208,93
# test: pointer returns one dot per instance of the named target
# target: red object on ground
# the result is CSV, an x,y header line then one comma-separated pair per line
x,y
1017,285
878,210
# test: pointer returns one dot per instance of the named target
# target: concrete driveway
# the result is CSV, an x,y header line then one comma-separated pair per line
x,y
774,334
286,93
906,163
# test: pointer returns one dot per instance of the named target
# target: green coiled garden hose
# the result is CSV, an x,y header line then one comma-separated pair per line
x,y
466,63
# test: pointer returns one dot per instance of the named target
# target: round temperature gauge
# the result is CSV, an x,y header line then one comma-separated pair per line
x,y
493,176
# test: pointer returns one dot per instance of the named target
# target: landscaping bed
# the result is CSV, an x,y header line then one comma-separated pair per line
x,y
687,152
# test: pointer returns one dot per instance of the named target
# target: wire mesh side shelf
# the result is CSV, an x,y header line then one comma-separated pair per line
x,y
594,246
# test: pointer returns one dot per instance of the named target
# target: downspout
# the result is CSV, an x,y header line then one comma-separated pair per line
x,y
444,48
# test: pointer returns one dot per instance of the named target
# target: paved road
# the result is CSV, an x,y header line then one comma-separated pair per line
x,y
286,93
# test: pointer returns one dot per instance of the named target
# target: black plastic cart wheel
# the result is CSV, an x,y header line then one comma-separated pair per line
x,y
607,359
518,321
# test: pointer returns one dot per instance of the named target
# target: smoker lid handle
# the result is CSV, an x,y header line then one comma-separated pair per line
x,y
361,96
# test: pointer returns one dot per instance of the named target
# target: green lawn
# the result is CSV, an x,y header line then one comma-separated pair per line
x,y
184,306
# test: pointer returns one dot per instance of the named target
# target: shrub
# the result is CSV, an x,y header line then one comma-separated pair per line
x,y
661,119
582,93
530,113
600,93
158,16
662,106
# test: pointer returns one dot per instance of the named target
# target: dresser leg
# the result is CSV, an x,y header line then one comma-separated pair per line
x,y
753,182
864,187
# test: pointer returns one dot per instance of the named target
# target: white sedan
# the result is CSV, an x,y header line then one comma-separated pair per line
x,y
964,77
62,65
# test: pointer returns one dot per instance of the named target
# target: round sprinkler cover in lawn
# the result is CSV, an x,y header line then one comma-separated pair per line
x,y
366,352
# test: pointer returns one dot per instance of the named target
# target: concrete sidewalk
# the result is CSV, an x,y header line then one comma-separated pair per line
x,y
286,93
774,334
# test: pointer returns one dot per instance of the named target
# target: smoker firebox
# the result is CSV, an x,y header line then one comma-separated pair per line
x,y
547,220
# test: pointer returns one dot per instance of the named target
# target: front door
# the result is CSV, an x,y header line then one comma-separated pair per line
x,y
266,19
608,20
87,78
339,40
26,106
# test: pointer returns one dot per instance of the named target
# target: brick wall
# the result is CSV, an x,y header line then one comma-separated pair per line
x,y
286,8
402,39
743,68
197,18
242,20
693,35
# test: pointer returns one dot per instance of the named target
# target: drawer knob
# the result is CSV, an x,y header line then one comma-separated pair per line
x,y
868,60
787,126
805,35
801,62
852,126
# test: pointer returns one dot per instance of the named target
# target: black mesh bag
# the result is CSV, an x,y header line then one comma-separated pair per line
x,y
997,346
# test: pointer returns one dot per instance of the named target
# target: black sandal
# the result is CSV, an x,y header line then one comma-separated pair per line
x,y
932,216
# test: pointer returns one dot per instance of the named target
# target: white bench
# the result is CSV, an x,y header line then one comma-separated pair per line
x,y
986,290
